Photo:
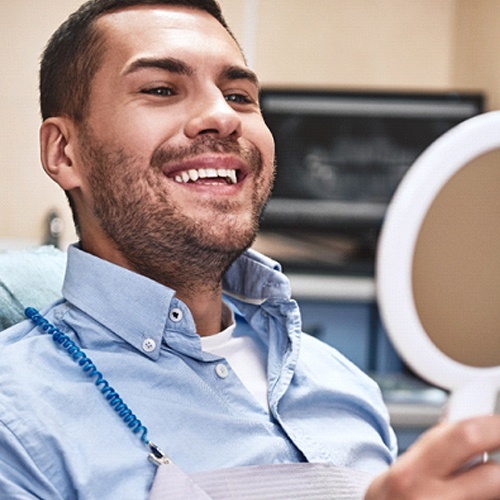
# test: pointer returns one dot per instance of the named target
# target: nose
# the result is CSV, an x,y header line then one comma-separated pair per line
x,y
212,114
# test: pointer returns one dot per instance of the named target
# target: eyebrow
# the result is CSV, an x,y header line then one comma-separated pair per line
x,y
166,64
173,65
239,73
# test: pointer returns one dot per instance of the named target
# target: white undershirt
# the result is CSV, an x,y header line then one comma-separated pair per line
x,y
243,354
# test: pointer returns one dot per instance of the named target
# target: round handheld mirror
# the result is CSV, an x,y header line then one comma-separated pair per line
x,y
438,266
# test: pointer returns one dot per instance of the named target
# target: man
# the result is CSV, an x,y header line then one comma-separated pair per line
x,y
152,127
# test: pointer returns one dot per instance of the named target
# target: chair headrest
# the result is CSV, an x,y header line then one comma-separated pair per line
x,y
31,277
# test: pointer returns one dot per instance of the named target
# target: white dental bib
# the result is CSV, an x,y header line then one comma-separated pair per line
x,y
300,481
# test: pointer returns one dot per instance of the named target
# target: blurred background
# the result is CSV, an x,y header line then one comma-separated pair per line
x,y
344,81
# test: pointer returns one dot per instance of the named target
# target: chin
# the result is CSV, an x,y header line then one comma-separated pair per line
x,y
235,243
235,237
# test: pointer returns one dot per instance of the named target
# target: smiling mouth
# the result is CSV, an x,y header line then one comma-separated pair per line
x,y
207,176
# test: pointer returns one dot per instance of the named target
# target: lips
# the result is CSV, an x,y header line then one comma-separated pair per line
x,y
209,170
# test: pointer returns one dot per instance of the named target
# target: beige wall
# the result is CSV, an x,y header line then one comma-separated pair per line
x,y
26,194
477,49
363,43
385,44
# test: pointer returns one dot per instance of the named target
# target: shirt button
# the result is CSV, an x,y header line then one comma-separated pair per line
x,y
149,345
221,370
176,314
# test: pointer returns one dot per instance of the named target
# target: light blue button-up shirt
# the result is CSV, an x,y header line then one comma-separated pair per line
x,y
60,438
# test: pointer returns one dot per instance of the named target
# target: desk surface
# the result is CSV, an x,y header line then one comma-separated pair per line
x,y
414,415
412,403
338,288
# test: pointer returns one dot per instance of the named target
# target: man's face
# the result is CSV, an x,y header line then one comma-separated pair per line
x,y
175,152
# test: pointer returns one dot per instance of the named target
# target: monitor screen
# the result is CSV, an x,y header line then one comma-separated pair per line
x,y
340,157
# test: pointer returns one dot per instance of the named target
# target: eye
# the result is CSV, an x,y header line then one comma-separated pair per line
x,y
160,91
238,98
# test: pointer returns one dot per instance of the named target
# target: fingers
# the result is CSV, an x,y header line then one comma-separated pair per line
x,y
448,447
482,481
434,467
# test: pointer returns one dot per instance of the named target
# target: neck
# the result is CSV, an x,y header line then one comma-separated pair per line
x,y
200,288
206,308
196,281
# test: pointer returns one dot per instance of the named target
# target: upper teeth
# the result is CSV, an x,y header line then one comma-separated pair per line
x,y
206,173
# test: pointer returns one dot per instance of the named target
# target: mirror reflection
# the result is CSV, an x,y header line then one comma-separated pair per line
x,y
456,265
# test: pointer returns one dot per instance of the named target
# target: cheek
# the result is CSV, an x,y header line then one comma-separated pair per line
x,y
271,147
269,156
264,141
135,130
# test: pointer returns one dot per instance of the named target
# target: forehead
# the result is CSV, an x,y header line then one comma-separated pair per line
x,y
152,31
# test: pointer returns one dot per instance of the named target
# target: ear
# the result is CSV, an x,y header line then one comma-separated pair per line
x,y
58,141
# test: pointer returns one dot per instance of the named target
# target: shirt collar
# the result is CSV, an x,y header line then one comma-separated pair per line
x,y
132,306
141,311
255,278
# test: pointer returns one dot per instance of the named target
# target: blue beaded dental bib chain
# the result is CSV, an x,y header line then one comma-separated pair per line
x,y
62,341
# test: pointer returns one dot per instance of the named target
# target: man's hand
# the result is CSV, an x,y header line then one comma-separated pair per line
x,y
435,467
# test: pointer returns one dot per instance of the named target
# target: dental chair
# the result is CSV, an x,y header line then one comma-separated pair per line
x,y
31,277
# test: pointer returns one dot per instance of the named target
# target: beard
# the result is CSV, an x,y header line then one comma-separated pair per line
x,y
135,207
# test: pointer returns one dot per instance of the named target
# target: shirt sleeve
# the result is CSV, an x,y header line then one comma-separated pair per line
x,y
20,478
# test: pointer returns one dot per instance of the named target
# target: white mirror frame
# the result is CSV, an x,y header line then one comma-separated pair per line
x,y
473,389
